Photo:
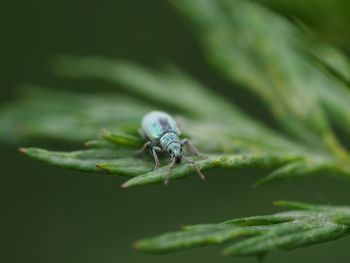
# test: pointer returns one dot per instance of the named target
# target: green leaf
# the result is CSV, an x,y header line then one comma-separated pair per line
x,y
298,168
122,138
305,226
228,161
91,160
337,68
52,114
113,153
157,87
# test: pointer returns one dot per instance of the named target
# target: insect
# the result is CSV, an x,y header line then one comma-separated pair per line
x,y
162,135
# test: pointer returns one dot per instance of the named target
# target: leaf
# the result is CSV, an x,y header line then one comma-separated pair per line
x,y
113,153
232,161
337,67
49,114
297,168
305,226
90,160
157,87
123,139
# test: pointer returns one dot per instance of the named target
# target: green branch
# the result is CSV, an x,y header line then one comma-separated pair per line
x,y
305,226
113,152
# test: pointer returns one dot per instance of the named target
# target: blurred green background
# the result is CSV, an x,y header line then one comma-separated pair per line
x,y
54,215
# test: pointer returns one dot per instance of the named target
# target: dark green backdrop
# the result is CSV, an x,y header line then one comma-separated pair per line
x,y
54,215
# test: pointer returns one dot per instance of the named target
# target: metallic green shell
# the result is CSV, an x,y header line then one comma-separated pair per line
x,y
157,123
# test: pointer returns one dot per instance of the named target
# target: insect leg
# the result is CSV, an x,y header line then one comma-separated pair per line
x,y
153,150
195,167
155,157
193,149
144,147
170,170
158,149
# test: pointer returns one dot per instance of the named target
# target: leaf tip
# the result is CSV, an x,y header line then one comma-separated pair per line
x,y
102,167
263,181
21,150
280,203
294,205
257,184
135,245
225,252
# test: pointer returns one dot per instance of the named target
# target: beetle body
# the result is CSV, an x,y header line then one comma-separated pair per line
x,y
157,123
161,132
161,129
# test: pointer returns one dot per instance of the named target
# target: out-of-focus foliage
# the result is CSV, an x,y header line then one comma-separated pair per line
x,y
261,50
307,225
47,114
330,19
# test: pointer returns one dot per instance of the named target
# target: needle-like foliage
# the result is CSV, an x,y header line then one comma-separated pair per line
x,y
304,226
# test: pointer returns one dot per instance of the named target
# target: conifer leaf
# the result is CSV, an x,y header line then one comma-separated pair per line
x,y
51,114
153,86
228,161
336,66
304,226
89,160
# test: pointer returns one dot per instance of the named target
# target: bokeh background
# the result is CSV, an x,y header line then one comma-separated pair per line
x,y
55,215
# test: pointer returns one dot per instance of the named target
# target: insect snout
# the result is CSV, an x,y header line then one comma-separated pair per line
x,y
178,158
175,151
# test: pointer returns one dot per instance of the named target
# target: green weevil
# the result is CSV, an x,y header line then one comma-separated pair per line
x,y
161,132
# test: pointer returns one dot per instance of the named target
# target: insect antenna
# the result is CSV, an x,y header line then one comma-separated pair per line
x,y
195,167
